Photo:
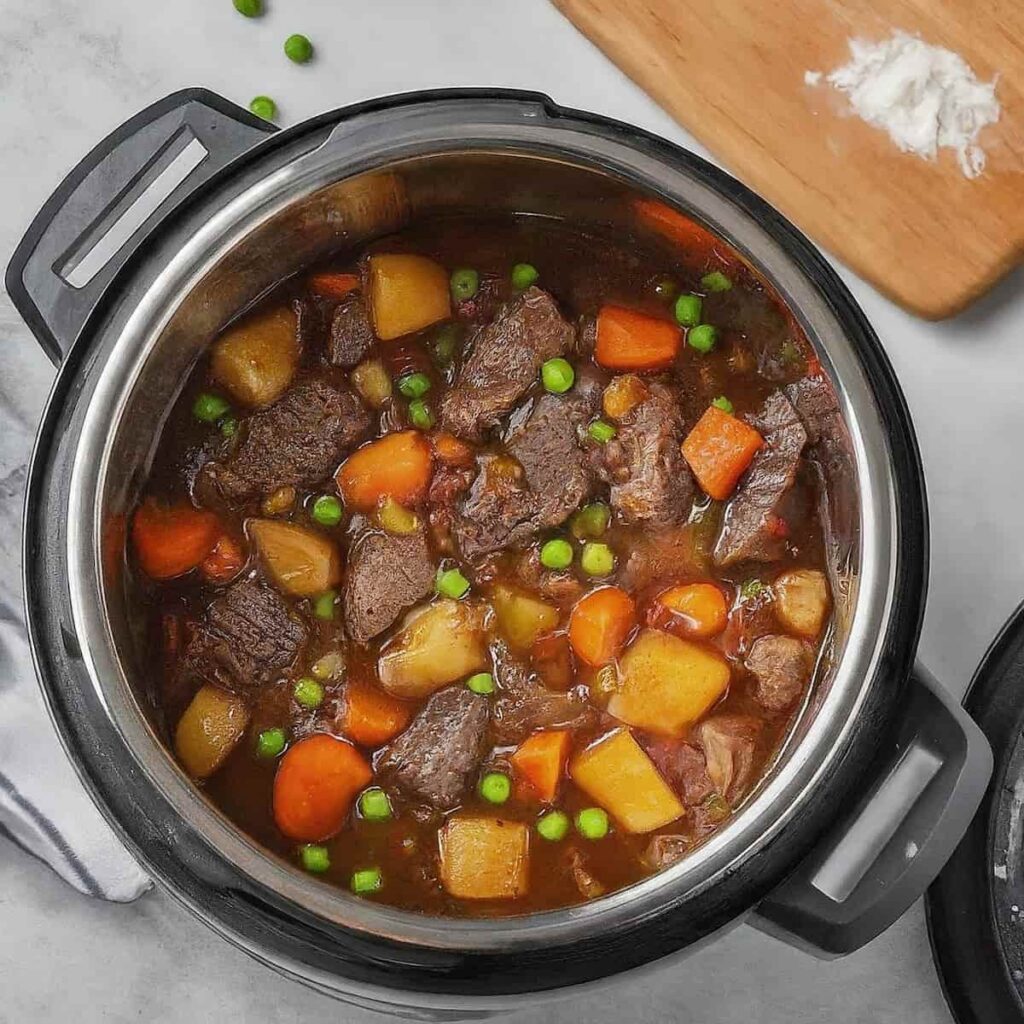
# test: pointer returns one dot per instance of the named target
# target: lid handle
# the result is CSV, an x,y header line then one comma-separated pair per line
x,y
896,839
102,211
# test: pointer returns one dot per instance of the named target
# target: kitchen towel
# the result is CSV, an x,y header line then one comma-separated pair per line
x,y
43,805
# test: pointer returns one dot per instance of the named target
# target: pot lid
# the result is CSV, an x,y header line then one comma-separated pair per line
x,y
976,906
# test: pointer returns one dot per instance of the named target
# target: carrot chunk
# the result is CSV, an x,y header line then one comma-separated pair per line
x,y
172,541
397,466
696,241
719,449
315,785
600,623
627,340
333,285
540,762
225,561
450,450
371,717
700,606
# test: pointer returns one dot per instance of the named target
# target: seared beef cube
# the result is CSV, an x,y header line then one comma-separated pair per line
x,y
446,485
441,749
386,576
511,502
248,637
729,743
753,529
650,480
683,767
351,333
666,556
524,705
297,442
781,665
504,360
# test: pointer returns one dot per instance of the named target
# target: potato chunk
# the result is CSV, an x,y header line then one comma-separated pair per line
x,y
666,684
407,293
802,601
617,774
521,617
256,359
435,646
209,730
485,858
301,562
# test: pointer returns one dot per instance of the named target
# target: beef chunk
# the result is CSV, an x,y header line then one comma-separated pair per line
x,y
504,359
750,531
663,557
558,585
781,665
538,488
684,768
309,324
439,751
650,481
524,705
664,851
351,333
729,743
589,887
446,485
296,442
386,576
249,637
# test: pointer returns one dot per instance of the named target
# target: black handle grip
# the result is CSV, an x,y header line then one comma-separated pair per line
x,y
898,837
101,212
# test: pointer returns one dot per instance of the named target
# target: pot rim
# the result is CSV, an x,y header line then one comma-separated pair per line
x,y
884,631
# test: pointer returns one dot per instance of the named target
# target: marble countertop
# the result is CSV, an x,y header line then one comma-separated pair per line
x,y
70,73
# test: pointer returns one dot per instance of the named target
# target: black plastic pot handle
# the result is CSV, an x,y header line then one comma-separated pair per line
x,y
896,838
121,190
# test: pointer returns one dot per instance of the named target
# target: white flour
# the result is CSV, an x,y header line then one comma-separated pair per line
x,y
925,97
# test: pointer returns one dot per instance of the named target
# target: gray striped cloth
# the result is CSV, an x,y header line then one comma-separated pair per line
x,y
43,806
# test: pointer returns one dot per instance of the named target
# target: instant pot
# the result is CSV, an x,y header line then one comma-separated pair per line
x,y
192,210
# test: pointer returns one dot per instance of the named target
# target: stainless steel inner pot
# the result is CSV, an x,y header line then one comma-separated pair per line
x,y
188,270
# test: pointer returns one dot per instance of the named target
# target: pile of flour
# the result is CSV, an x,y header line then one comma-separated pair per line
x,y
925,97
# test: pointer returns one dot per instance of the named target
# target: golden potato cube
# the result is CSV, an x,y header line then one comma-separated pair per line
x,y
485,858
209,730
256,359
301,562
521,617
435,646
616,773
801,601
666,684
407,293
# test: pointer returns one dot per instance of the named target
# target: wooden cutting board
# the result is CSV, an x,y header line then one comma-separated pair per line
x,y
732,72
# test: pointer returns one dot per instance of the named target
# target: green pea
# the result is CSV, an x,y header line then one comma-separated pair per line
x,y
666,289
591,521
315,858
323,605
482,682
327,510
263,106
592,823
523,275
366,880
557,375
250,8
597,559
414,385
421,416
464,284
601,432
749,589
229,426
374,804
716,281
687,310
451,583
270,742
209,408
298,48
556,554
723,403
445,342
553,826
702,337
495,787
309,693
